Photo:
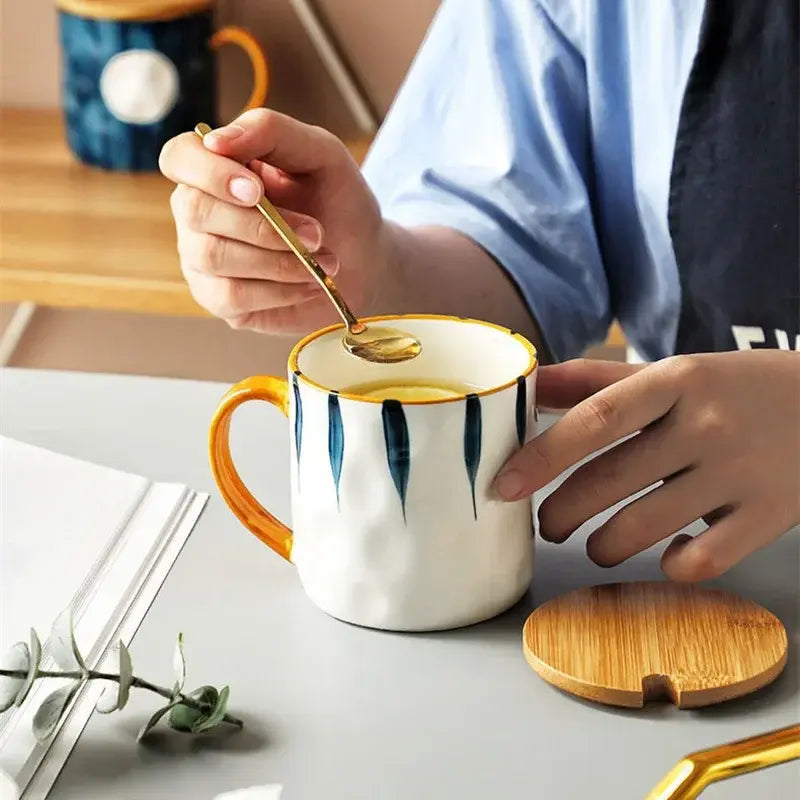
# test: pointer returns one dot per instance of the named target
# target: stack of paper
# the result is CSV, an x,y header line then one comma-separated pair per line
x,y
81,536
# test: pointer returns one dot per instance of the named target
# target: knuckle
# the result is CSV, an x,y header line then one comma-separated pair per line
x,y
193,207
190,206
239,322
711,422
332,145
326,138
597,414
201,253
280,265
219,296
686,369
199,292
228,298
285,266
196,208
257,117
212,253
537,453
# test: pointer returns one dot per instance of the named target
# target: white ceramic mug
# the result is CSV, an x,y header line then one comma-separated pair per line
x,y
395,524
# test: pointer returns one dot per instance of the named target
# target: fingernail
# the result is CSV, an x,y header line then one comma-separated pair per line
x,y
329,262
510,484
245,190
310,235
228,132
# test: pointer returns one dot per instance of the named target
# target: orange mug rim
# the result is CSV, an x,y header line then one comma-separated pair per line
x,y
133,10
311,337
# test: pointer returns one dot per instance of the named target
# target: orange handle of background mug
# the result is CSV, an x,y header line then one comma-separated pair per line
x,y
250,512
232,34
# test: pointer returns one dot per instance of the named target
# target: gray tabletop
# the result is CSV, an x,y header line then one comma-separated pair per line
x,y
336,712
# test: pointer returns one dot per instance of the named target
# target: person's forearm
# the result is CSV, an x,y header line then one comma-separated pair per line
x,y
437,270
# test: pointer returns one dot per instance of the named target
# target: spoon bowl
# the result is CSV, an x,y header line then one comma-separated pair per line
x,y
381,345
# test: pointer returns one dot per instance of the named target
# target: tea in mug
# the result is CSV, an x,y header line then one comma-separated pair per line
x,y
411,389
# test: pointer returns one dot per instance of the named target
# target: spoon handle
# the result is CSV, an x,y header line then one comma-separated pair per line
x,y
298,248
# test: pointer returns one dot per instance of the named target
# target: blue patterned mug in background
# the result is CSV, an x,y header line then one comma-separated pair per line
x,y
138,72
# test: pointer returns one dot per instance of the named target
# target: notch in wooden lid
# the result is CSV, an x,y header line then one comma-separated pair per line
x,y
133,10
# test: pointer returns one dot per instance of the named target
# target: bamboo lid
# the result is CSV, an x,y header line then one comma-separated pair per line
x,y
624,643
130,10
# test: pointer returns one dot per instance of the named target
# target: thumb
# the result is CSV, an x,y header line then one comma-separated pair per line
x,y
565,385
276,139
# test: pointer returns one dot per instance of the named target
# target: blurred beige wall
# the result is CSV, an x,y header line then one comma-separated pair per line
x,y
378,40
29,56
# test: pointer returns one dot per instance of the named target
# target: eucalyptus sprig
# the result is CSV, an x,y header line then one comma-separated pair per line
x,y
196,712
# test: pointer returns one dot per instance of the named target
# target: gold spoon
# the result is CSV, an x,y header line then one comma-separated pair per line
x,y
379,345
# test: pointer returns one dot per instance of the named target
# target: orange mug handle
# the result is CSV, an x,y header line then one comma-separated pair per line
x,y
232,34
250,512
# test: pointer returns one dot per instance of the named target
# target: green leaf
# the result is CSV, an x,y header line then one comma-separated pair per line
x,y
216,715
33,668
63,644
115,695
153,721
206,696
125,675
16,658
179,665
107,702
52,709
183,718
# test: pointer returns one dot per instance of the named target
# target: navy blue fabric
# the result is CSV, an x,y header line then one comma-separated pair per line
x,y
733,212
94,134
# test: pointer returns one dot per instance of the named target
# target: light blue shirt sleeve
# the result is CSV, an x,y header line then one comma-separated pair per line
x,y
489,136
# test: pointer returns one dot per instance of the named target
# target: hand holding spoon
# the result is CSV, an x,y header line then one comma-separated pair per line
x,y
379,345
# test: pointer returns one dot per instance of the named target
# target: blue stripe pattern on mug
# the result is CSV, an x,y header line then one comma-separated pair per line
x,y
472,443
522,409
298,422
335,440
398,446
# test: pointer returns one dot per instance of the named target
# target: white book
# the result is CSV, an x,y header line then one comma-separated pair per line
x,y
81,536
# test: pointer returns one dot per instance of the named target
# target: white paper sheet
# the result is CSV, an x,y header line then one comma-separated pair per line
x,y
74,534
